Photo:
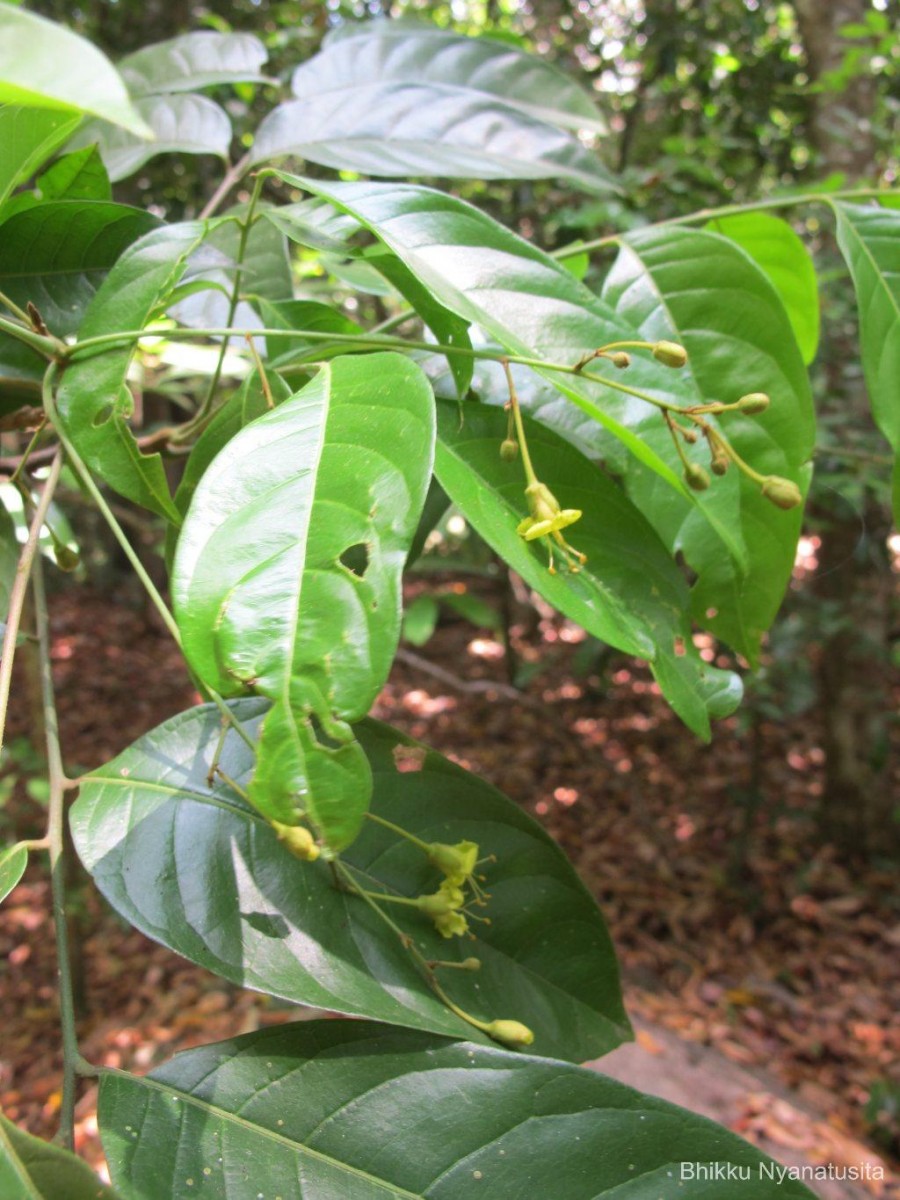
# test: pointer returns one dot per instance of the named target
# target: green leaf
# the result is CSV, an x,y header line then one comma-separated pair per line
x,y
9,559
57,254
31,1169
395,54
869,239
44,65
80,175
183,123
264,591
196,869
696,288
420,620
424,128
265,267
327,1109
93,400
13,861
311,315
629,594
784,259
193,61
28,138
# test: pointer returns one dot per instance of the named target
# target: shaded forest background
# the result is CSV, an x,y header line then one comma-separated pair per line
x,y
749,885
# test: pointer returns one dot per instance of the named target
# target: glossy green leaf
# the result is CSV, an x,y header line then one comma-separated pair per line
x,y
28,137
784,259
337,1109
629,594
309,315
696,288
193,61
57,254
45,65
182,123
533,307
265,267
264,591
93,401
395,54
194,868
31,1169
869,239
425,128
315,224
13,861
79,175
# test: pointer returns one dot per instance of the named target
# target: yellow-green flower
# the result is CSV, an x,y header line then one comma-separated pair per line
x,y
456,862
547,520
451,924
443,907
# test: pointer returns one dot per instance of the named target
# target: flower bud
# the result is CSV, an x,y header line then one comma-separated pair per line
x,y
456,862
754,403
719,463
620,359
511,1033
782,492
298,840
67,559
695,477
509,449
670,354
689,435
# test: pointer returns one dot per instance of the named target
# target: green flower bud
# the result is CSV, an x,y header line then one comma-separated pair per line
x,y
719,463
695,477
67,559
782,492
670,354
620,359
298,840
690,435
755,402
511,1033
456,862
509,449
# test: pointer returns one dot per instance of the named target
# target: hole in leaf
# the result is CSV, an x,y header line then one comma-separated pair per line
x,y
409,758
680,648
103,415
356,559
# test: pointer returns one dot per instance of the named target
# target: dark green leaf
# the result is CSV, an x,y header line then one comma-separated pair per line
x,y
197,870
629,593
425,129
57,254
395,54
31,1169
28,137
183,123
44,65
93,400
13,861
80,175
869,239
779,252
436,504
696,288
9,558
264,591
340,1110
193,61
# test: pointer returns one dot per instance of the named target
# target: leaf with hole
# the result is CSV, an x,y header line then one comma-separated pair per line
x,y
338,1109
779,253
629,593
869,239
182,123
193,61
195,868
32,1169
93,402
44,65
286,579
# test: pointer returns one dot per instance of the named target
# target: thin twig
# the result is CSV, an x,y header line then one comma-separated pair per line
x,y
232,176
480,686
20,587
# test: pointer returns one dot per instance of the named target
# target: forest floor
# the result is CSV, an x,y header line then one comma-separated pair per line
x,y
738,932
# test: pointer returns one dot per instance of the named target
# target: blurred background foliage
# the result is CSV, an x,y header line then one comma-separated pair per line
x,y
707,104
